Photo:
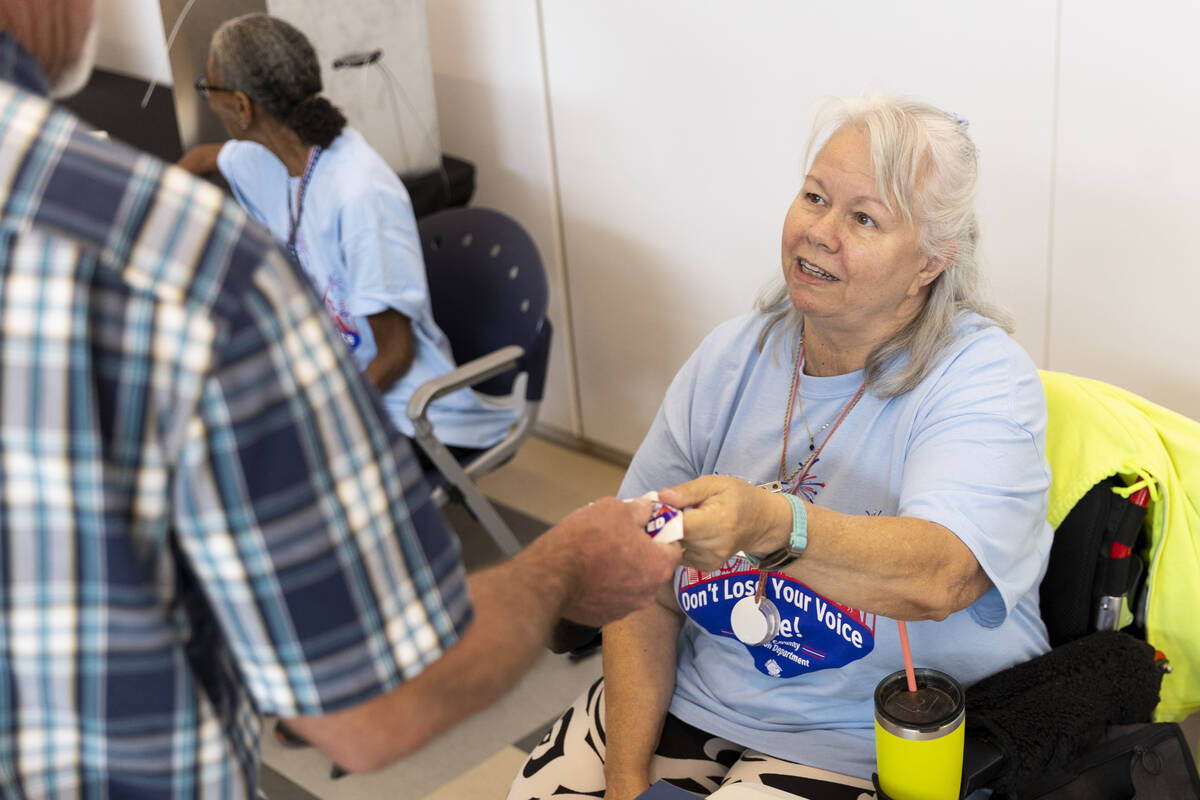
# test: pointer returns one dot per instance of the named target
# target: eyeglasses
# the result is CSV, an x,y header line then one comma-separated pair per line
x,y
204,88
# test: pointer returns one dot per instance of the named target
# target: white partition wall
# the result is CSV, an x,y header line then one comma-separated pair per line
x,y
492,108
680,128
389,101
651,148
1125,278
131,39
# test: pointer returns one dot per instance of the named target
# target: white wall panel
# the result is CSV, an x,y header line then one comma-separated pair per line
x,y
680,127
390,102
1126,269
492,111
132,40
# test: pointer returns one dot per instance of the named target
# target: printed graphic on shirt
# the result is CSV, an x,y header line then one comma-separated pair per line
x,y
805,485
814,633
343,320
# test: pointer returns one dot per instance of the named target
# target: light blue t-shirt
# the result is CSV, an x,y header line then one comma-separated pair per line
x,y
964,449
358,244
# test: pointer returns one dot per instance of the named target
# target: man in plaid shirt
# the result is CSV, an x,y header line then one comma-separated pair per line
x,y
203,518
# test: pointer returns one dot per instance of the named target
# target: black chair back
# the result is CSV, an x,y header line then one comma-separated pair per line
x,y
488,289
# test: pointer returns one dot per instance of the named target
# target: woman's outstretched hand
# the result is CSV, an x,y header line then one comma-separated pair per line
x,y
724,515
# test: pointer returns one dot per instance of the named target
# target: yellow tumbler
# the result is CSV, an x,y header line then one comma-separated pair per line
x,y
919,736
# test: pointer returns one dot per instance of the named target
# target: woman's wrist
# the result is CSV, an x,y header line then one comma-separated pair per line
x,y
776,526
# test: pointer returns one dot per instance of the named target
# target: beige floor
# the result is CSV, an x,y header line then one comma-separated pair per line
x,y
548,481
476,760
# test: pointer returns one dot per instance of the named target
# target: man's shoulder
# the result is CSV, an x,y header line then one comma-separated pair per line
x,y
158,225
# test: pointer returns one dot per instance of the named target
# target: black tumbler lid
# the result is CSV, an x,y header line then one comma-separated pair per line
x,y
937,706
928,705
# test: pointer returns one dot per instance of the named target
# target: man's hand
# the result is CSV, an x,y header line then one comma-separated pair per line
x,y
724,515
594,567
611,566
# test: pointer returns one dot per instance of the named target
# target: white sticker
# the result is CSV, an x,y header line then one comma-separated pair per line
x,y
666,523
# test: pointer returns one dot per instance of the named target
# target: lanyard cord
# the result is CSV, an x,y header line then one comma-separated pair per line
x,y
802,470
294,221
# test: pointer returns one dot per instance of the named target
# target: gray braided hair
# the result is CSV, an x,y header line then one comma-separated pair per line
x,y
277,68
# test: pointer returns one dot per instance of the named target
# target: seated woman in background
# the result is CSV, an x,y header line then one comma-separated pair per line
x,y
885,400
316,184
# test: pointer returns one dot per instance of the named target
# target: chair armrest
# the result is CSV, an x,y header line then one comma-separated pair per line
x,y
468,374
982,761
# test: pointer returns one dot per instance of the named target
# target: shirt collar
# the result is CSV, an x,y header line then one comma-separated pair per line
x,y
19,67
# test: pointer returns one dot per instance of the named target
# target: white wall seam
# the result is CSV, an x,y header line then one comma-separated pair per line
x,y
568,335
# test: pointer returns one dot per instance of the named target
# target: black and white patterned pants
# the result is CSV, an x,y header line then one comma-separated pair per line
x,y
569,761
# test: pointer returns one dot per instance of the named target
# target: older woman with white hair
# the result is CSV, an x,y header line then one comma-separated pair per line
x,y
868,444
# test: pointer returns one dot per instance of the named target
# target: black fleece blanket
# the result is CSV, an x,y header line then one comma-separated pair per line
x,y
1045,712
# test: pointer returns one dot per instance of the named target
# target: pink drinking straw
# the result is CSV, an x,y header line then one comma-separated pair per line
x,y
908,667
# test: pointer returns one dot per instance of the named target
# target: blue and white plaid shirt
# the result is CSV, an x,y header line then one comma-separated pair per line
x,y
202,517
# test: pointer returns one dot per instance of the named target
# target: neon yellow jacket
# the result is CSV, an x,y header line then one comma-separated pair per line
x,y
1096,430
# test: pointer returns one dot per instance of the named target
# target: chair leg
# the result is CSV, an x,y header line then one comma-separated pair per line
x,y
459,480
490,519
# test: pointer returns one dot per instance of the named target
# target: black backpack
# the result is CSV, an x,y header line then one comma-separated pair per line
x,y
1104,682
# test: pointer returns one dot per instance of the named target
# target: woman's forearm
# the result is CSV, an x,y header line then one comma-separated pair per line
x,y
201,159
900,567
639,677
394,346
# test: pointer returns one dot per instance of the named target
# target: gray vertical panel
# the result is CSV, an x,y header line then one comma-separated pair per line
x,y
189,55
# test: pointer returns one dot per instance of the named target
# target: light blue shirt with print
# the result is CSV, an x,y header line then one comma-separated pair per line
x,y
964,449
358,243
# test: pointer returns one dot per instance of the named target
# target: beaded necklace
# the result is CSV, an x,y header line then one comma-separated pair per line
x,y
793,394
755,620
314,154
